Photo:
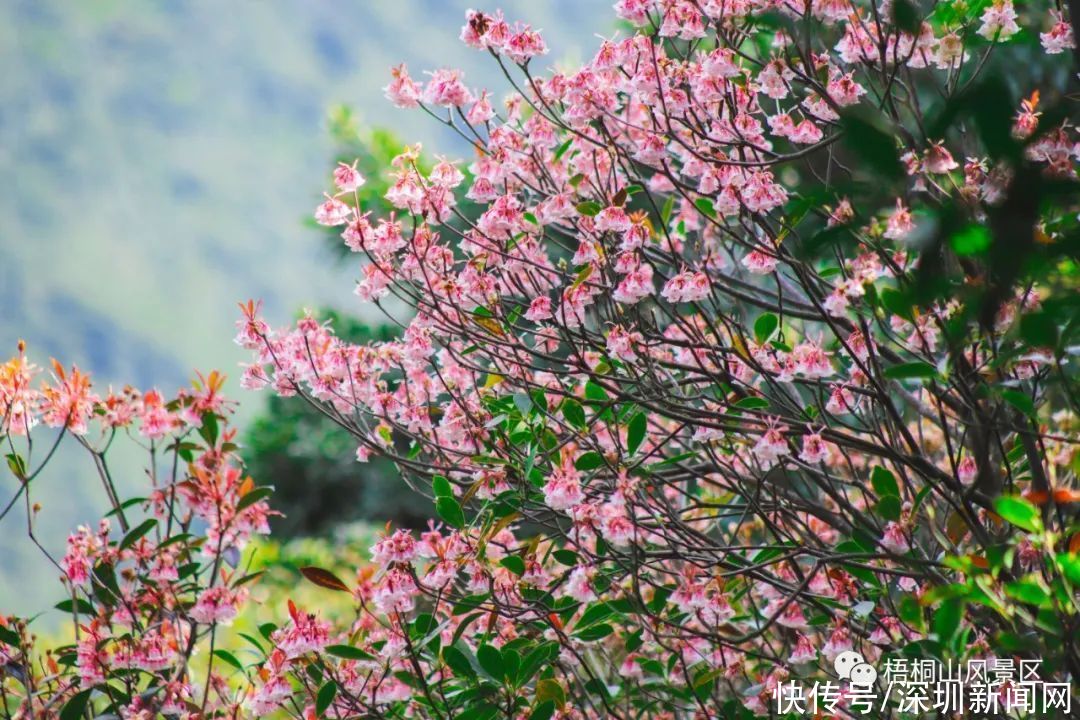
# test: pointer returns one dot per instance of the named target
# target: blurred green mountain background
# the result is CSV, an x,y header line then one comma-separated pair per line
x,y
157,162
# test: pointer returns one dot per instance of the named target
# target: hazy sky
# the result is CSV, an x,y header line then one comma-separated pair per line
x,y
158,160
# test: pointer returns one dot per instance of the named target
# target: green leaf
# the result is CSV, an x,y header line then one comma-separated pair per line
x,y
888,507
1019,512
543,710
17,465
669,207
536,659
910,611
511,663
705,206
253,496
1028,591
884,482
480,711
906,17
326,696
589,461
229,658
635,432
75,708
911,370
1020,401
209,429
561,150
946,620
874,145
594,632
589,207
441,487
548,689
898,303
450,511
1039,329
84,607
594,614
514,564
765,326
523,403
595,392
348,652
567,557
456,661
574,414
972,240
752,403
137,532
490,659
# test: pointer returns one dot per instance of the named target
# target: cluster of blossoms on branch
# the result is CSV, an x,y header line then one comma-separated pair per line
x,y
672,387
714,362
149,585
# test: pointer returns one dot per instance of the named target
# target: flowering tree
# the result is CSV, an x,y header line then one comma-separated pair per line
x,y
761,351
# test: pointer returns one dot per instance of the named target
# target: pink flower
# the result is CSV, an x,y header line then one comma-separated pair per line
x,y
839,642
900,222
791,617
156,420
759,263
402,91
771,447
814,449
894,540
70,403
636,12
686,287
481,111
396,593
1060,37
622,344
999,21
83,547
806,133
524,44
332,212
618,529
811,361
804,651
216,605
630,669
347,178
579,585
689,596
837,303
636,286
397,548
720,63
563,490
841,400
539,309
967,470
304,634
612,219
271,695
844,90
939,160
446,89
91,657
